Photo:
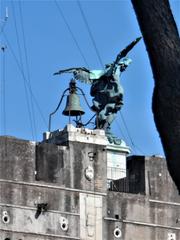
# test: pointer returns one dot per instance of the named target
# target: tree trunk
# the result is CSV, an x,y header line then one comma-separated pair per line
x,y
163,45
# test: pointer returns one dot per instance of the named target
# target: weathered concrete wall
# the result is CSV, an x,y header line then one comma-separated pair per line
x,y
17,159
5,235
20,193
149,175
20,201
151,214
46,173
79,161
51,163
159,181
136,174
91,221
139,218
66,165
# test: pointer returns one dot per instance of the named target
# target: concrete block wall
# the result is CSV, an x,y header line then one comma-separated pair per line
x,y
160,183
139,217
32,173
66,165
19,201
150,176
151,209
20,192
17,159
46,173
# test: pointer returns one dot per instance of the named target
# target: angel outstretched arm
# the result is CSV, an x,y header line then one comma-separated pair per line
x,y
83,74
80,73
72,70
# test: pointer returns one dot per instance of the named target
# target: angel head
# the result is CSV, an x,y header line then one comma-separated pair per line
x,y
123,64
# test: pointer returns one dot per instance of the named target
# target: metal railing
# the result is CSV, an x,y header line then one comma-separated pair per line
x,y
117,179
120,180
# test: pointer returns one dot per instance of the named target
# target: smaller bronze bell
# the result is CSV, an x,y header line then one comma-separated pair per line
x,y
73,107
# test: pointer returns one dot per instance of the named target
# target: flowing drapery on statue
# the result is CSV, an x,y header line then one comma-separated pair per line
x,y
106,89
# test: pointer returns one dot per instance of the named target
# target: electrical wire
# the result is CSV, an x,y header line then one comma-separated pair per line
x,y
90,34
102,65
22,67
3,96
27,67
22,73
4,21
2,28
3,82
128,133
70,31
133,149
99,58
120,129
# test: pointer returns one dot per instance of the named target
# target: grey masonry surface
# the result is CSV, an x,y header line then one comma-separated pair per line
x,y
55,174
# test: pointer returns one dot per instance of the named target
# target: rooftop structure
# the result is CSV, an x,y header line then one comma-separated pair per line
x,y
75,185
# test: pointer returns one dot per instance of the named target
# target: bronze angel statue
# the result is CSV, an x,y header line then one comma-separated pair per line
x,y
106,89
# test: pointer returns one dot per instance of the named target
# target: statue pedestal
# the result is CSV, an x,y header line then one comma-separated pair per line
x,y
73,134
116,153
116,160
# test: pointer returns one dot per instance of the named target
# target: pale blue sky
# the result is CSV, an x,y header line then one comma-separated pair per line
x,y
50,46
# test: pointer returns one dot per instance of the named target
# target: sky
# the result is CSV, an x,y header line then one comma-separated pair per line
x,y
42,37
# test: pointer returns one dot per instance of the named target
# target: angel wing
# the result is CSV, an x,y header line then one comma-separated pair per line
x,y
80,73
72,70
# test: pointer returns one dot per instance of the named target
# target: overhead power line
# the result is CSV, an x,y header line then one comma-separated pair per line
x,y
3,92
27,67
90,34
129,135
3,21
120,129
21,71
24,79
70,31
3,47
135,147
125,137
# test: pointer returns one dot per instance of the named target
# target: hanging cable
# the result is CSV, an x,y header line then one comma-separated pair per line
x,y
22,73
22,67
3,93
133,150
3,85
90,34
27,67
120,129
100,60
70,31
128,133
2,28
3,21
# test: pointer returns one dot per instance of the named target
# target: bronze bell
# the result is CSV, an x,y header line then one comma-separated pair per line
x,y
73,107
